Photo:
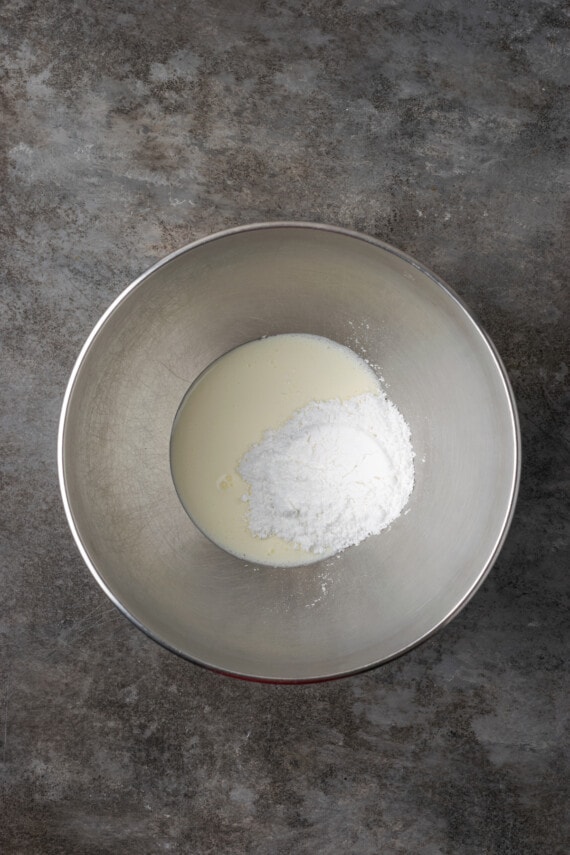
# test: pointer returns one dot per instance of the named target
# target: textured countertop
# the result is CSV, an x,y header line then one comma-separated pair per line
x,y
129,129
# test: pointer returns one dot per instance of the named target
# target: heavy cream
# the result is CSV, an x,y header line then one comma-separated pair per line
x,y
254,388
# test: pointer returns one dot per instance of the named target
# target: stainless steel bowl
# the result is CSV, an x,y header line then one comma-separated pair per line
x,y
342,615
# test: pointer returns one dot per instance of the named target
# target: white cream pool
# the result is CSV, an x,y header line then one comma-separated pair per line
x,y
256,387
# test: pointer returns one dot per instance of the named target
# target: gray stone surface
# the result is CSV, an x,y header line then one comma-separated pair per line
x,y
129,129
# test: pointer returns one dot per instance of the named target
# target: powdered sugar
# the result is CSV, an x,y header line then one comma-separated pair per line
x,y
335,473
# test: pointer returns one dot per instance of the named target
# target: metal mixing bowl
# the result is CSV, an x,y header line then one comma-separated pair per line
x,y
338,616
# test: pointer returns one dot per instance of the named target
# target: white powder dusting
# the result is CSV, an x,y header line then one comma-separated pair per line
x,y
335,473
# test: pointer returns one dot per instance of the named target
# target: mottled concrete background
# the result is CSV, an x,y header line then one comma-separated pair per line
x,y
127,130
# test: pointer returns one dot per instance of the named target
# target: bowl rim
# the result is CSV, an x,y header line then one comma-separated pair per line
x,y
292,224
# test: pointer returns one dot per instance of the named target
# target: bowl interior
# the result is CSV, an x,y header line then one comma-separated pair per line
x,y
342,614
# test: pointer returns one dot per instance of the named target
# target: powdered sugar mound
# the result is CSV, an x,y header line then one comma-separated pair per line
x,y
334,474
